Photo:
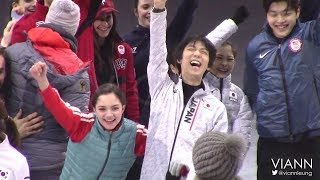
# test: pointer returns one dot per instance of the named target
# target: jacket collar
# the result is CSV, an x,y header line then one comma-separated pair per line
x,y
64,34
214,82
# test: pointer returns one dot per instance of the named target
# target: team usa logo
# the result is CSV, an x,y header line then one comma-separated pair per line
x,y
295,45
121,49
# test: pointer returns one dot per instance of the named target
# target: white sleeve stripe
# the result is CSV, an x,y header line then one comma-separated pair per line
x,y
83,116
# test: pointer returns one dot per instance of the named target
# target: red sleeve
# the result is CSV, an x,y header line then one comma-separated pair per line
x,y
141,140
18,33
131,86
77,124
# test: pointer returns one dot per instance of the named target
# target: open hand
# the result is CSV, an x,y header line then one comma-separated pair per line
x,y
28,125
7,34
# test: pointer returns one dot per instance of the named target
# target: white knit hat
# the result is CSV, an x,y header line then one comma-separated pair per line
x,y
64,13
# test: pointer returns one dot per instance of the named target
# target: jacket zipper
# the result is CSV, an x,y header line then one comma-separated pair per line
x,y
221,88
285,88
176,134
115,72
107,158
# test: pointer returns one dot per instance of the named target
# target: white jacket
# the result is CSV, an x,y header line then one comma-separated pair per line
x,y
202,113
240,115
13,164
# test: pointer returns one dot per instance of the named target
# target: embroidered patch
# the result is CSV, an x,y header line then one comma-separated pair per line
x,y
207,105
295,45
84,86
233,96
120,63
121,49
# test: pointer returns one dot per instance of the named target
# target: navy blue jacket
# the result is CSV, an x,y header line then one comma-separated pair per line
x,y
139,40
282,81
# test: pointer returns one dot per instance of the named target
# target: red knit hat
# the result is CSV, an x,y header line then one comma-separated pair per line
x,y
107,7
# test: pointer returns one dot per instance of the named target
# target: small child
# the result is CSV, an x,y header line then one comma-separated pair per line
x,y
103,144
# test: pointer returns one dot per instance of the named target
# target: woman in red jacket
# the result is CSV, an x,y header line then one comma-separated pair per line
x,y
113,59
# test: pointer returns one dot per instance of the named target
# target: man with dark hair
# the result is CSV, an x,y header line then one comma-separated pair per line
x,y
282,81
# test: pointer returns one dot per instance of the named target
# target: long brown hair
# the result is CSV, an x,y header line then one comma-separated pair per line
x,y
8,126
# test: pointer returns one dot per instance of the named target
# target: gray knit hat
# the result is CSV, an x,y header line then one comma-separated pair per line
x,y
64,13
218,156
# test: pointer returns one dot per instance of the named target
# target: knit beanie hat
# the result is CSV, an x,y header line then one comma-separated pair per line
x,y
64,13
218,156
106,7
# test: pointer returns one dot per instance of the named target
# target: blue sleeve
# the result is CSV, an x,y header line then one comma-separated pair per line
x,y
181,23
251,86
309,10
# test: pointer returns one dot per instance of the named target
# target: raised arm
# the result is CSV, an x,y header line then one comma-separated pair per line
x,y
228,27
181,23
157,67
67,116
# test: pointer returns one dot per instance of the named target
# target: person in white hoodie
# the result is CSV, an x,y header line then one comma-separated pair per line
x,y
181,108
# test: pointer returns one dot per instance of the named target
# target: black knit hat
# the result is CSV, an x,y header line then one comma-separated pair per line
x,y
218,155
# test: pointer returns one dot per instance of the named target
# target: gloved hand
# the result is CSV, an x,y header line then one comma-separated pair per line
x,y
240,14
178,169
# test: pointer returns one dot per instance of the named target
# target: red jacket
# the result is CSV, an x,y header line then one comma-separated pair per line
x,y
52,47
28,22
78,124
123,63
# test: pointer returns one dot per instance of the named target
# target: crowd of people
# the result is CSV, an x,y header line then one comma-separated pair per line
x,y
78,101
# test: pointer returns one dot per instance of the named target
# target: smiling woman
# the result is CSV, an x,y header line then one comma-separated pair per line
x,y
22,7
113,60
103,142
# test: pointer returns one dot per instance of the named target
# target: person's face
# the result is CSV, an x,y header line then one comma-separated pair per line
x,y
194,62
2,70
281,19
224,63
25,6
103,25
109,111
142,12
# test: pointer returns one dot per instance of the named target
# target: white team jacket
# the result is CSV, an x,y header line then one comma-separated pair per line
x,y
13,165
202,113
240,115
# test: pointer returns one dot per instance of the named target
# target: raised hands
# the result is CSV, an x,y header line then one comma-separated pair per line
x,y
39,72
7,34
241,14
160,4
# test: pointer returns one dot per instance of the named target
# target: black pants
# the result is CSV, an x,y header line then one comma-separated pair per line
x,y
135,171
288,161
